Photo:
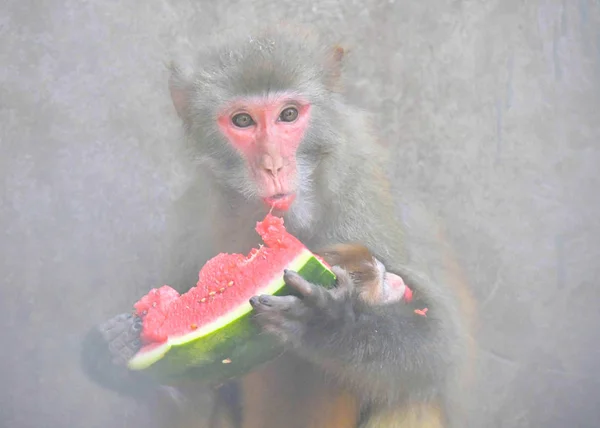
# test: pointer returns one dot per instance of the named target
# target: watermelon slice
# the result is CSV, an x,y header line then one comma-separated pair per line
x,y
207,333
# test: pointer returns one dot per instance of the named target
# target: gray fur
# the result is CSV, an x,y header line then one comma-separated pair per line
x,y
391,356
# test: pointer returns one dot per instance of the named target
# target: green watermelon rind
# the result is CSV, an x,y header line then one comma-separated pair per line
x,y
230,345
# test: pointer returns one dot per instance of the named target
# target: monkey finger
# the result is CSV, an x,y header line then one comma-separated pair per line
x,y
267,302
284,307
313,295
344,281
122,335
118,325
266,319
288,332
271,320
281,334
122,348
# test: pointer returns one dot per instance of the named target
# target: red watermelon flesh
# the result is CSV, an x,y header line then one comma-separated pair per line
x,y
225,282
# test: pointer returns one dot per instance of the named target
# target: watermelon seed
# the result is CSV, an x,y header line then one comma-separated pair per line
x,y
226,361
222,289
154,304
203,299
212,293
193,326
230,283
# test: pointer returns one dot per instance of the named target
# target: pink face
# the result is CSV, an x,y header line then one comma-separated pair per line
x,y
267,132
396,288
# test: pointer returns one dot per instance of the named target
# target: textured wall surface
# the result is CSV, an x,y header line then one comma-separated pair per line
x,y
491,109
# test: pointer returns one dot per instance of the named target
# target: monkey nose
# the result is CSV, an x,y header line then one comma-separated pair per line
x,y
272,164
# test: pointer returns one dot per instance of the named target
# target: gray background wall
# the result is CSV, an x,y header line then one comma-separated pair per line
x,y
491,109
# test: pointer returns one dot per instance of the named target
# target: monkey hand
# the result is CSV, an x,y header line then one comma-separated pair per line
x,y
298,320
107,348
122,336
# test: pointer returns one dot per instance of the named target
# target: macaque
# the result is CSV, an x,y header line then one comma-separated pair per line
x,y
370,279
269,129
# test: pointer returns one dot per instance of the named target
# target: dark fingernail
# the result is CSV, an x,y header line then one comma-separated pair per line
x,y
253,300
285,271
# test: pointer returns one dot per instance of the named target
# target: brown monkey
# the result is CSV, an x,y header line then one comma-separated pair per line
x,y
269,130
373,283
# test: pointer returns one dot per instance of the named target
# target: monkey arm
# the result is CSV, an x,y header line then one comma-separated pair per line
x,y
382,350
390,352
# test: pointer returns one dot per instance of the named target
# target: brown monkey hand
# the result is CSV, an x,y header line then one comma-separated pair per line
x,y
294,320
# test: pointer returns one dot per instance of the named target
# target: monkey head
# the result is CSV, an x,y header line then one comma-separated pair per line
x,y
259,112
374,284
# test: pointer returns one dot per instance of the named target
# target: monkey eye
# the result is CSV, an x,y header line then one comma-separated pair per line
x,y
289,114
242,120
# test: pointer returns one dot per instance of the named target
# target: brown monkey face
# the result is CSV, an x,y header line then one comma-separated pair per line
x,y
375,285
387,288
267,132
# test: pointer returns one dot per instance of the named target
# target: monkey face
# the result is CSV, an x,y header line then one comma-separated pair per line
x,y
384,287
373,283
267,132
261,118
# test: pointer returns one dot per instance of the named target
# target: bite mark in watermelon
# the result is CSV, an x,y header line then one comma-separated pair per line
x,y
208,329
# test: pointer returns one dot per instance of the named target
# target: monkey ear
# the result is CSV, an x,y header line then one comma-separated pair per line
x,y
335,67
178,87
179,99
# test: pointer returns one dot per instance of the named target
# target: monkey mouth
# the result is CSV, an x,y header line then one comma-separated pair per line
x,y
280,201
